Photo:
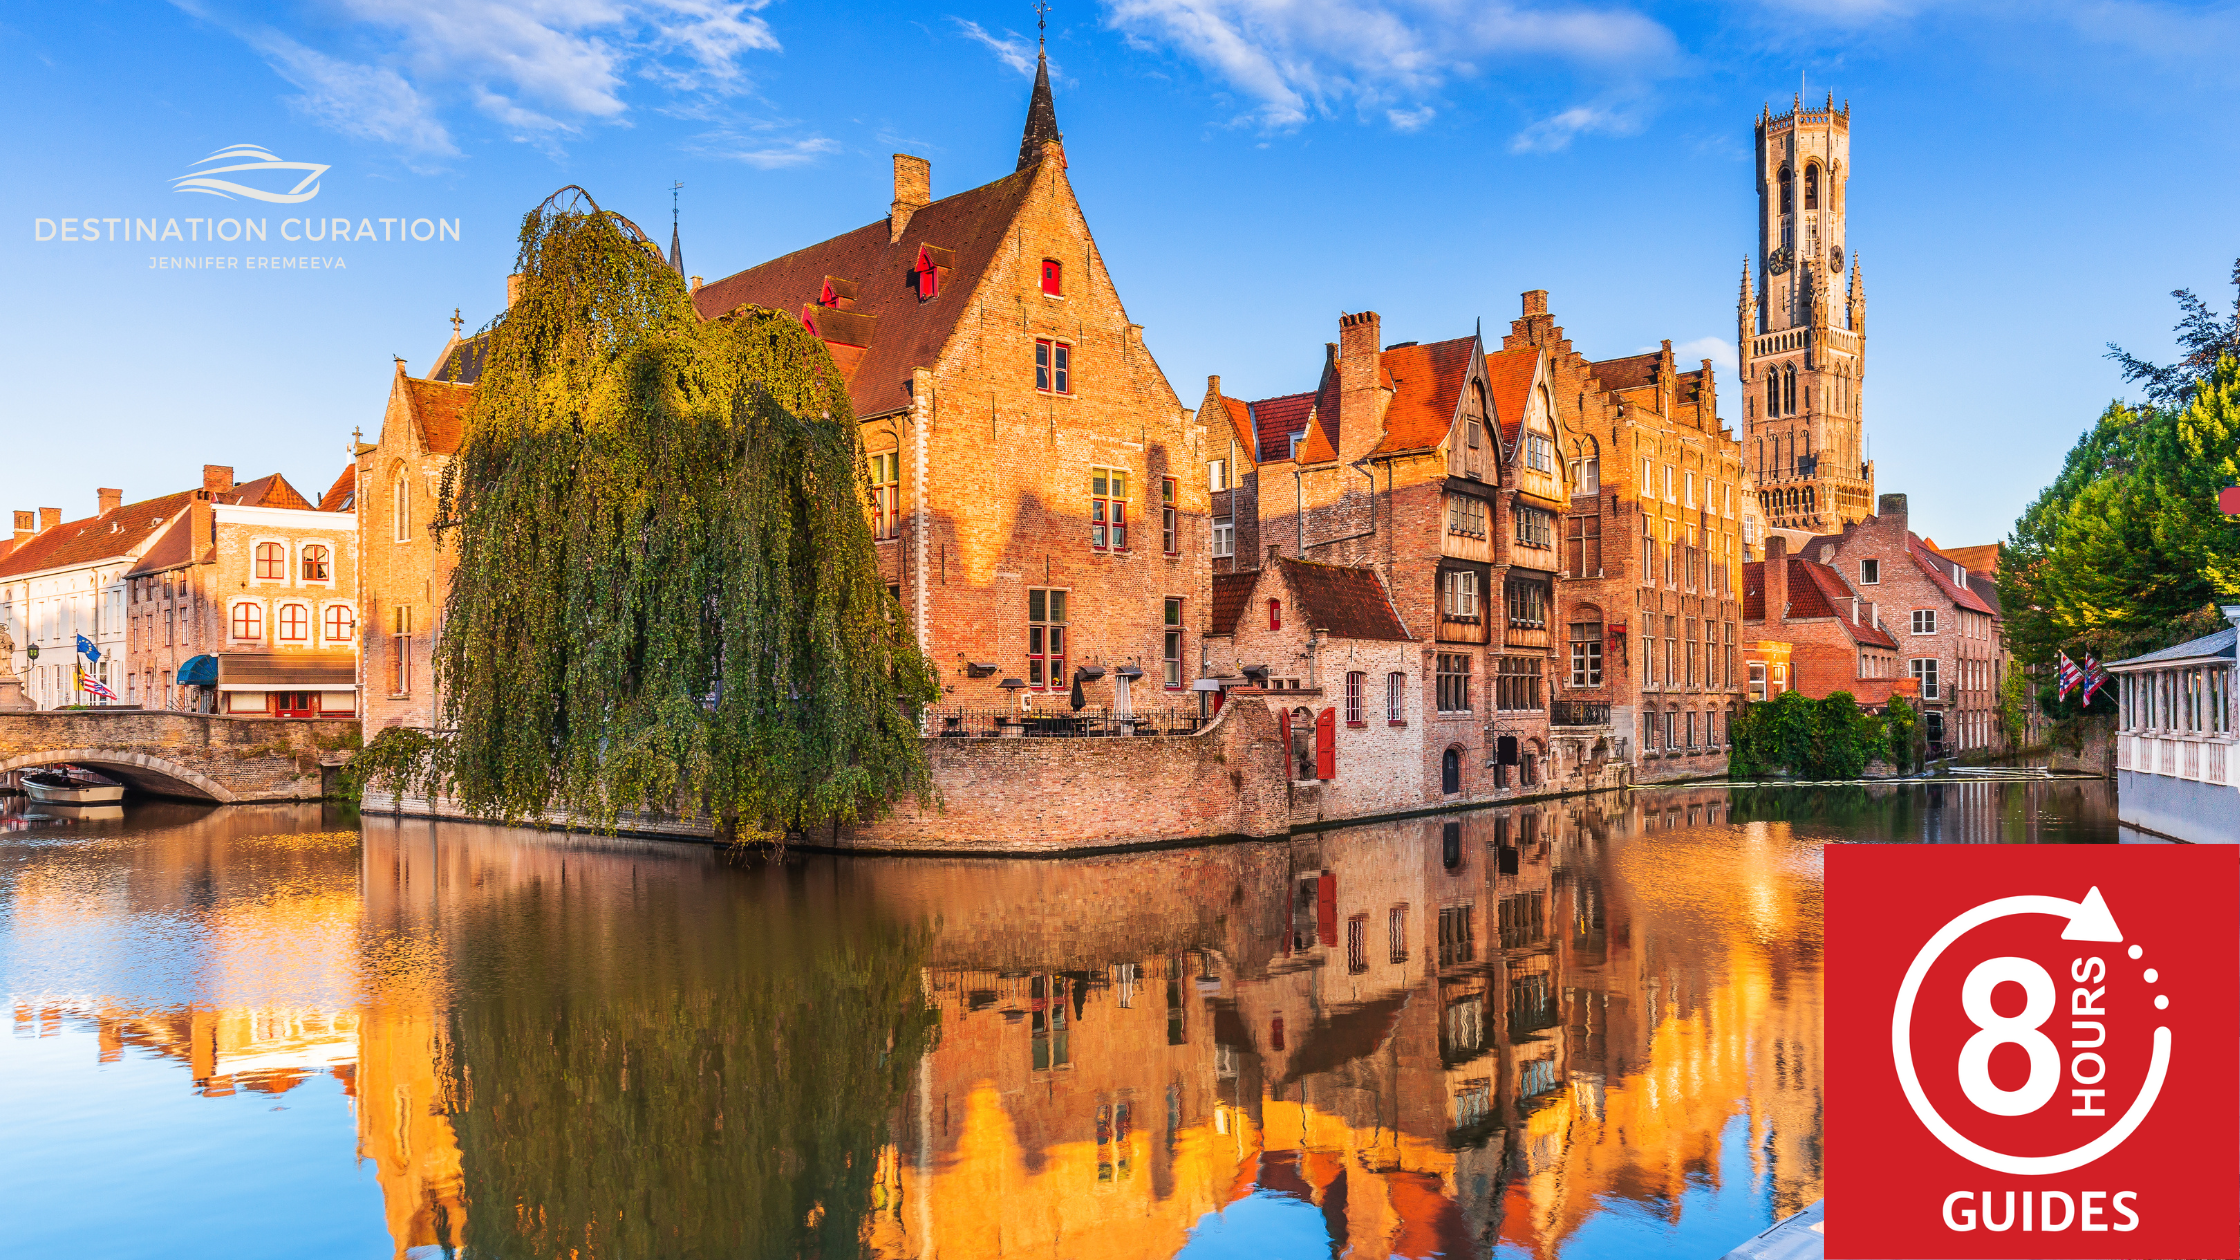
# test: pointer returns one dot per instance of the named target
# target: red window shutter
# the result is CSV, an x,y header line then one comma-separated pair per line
x,y
1275,1032
1326,909
1283,722
1275,614
1326,744
1053,277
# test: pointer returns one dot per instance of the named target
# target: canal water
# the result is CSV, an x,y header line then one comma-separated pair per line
x,y
1587,1028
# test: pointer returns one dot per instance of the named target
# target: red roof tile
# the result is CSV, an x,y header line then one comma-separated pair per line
x,y
1426,392
439,408
1630,372
1346,602
112,535
1815,590
1940,571
1979,559
1275,421
907,333
171,550
1511,374
1231,592
1240,424
271,491
343,494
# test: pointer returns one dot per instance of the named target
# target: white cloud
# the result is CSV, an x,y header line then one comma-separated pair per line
x,y
366,102
542,69
1719,350
1556,133
1297,60
1014,50
1409,119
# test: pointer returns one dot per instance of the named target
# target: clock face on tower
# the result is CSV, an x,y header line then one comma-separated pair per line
x,y
1778,261
1835,258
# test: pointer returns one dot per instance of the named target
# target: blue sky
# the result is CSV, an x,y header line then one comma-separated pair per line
x,y
2029,182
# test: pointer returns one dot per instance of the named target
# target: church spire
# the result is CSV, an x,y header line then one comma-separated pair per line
x,y
676,237
1042,114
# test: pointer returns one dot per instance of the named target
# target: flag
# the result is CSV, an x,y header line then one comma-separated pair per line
x,y
2066,675
2095,678
87,649
96,687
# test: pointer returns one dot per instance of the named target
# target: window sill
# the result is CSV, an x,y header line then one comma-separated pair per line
x,y
1356,726
1052,393
1395,721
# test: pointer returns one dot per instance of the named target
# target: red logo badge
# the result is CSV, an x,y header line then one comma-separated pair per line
x,y
2033,1051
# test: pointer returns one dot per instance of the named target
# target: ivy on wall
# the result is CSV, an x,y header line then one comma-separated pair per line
x,y
1829,738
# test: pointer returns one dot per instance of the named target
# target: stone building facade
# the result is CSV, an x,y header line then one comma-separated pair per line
x,y
1039,493
1802,330
1949,640
1806,629
1653,537
247,604
404,575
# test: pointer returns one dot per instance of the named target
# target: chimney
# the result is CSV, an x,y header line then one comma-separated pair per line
x,y
1777,579
1535,301
216,478
1275,553
513,290
1213,385
49,518
913,189
109,497
695,286
1892,505
26,528
201,529
1356,431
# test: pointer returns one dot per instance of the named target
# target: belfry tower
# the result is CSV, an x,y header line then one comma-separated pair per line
x,y
1802,330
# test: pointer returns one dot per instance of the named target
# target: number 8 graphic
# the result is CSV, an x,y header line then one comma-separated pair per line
x,y
1995,1030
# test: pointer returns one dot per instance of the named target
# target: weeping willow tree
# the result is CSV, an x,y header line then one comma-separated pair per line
x,y
666,595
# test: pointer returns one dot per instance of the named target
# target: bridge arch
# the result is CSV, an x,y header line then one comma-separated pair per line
x,y
136,770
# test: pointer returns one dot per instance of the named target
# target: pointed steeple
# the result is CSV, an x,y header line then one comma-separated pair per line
x,y
676,239
1042,114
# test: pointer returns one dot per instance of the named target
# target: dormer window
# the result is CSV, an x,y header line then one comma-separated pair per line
x,y
837,293
1053,277
933,263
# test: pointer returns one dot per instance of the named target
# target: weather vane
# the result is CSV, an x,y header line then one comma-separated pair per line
x,y
674,192
1041,19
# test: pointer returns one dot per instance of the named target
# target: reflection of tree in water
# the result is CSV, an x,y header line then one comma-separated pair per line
x,y
669,1085
1844,805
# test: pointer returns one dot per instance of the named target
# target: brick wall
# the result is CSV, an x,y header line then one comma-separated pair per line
x,y
408,577
193,755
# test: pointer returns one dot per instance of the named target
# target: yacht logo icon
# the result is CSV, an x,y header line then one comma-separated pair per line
x,y
249,158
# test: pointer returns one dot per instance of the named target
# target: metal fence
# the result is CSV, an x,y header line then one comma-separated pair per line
x,y
955,722
1579,713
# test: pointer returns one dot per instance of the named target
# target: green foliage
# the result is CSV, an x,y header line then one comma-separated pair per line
x,y
1822,739
666,596
1903,741
2126,551
2014,704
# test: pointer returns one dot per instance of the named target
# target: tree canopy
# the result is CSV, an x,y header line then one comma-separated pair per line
x,y
666,595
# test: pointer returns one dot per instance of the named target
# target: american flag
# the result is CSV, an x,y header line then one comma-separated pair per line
x,y
2066,675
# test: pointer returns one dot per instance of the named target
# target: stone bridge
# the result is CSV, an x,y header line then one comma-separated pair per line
x,y
198,756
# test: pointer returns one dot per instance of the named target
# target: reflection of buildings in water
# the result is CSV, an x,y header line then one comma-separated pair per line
x,y
1443,1033
265,1049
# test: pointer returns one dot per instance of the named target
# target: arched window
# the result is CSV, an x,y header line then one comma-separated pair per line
x,y
1812,187
248,620
1450,771
295,623
1784,180
1773,392
1053,277
1586,467
341,623
400,507
272,562
1302,743
1789,390
315,564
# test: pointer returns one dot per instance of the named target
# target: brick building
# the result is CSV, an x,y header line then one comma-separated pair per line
x,y
1435,466
1949,640
1802,341
1807,630
1344,678
247,603
404,575
1657,525
1039,492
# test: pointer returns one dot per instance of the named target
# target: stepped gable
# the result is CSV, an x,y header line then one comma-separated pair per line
x,y
905,332
1426,384
1345,602
1231,593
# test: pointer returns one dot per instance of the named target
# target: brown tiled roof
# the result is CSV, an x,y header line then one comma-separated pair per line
x,y
1275,420
1630,372
343,494
271,490
1815,590
1511,373
1240,424
171,551
1231,592
1690,387
440,410
1346,602
1426,392
1941,573
462,365
1978,559
909,333
112,534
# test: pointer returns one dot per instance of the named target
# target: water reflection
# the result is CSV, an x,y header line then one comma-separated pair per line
x,y
1588,1028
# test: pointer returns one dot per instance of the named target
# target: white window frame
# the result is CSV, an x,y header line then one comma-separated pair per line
x,y
287,561
1458,594
1924,670
1395,697
1924,621
264,621
1217,476
1870,565
1224,536
321,624
310,618
334,562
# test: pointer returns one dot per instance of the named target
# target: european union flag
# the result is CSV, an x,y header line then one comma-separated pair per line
x,y
87,649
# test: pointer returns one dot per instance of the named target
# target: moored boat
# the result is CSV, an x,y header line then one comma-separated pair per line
x,y
69,785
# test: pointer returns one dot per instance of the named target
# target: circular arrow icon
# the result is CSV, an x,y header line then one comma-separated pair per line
x,y
2089,920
